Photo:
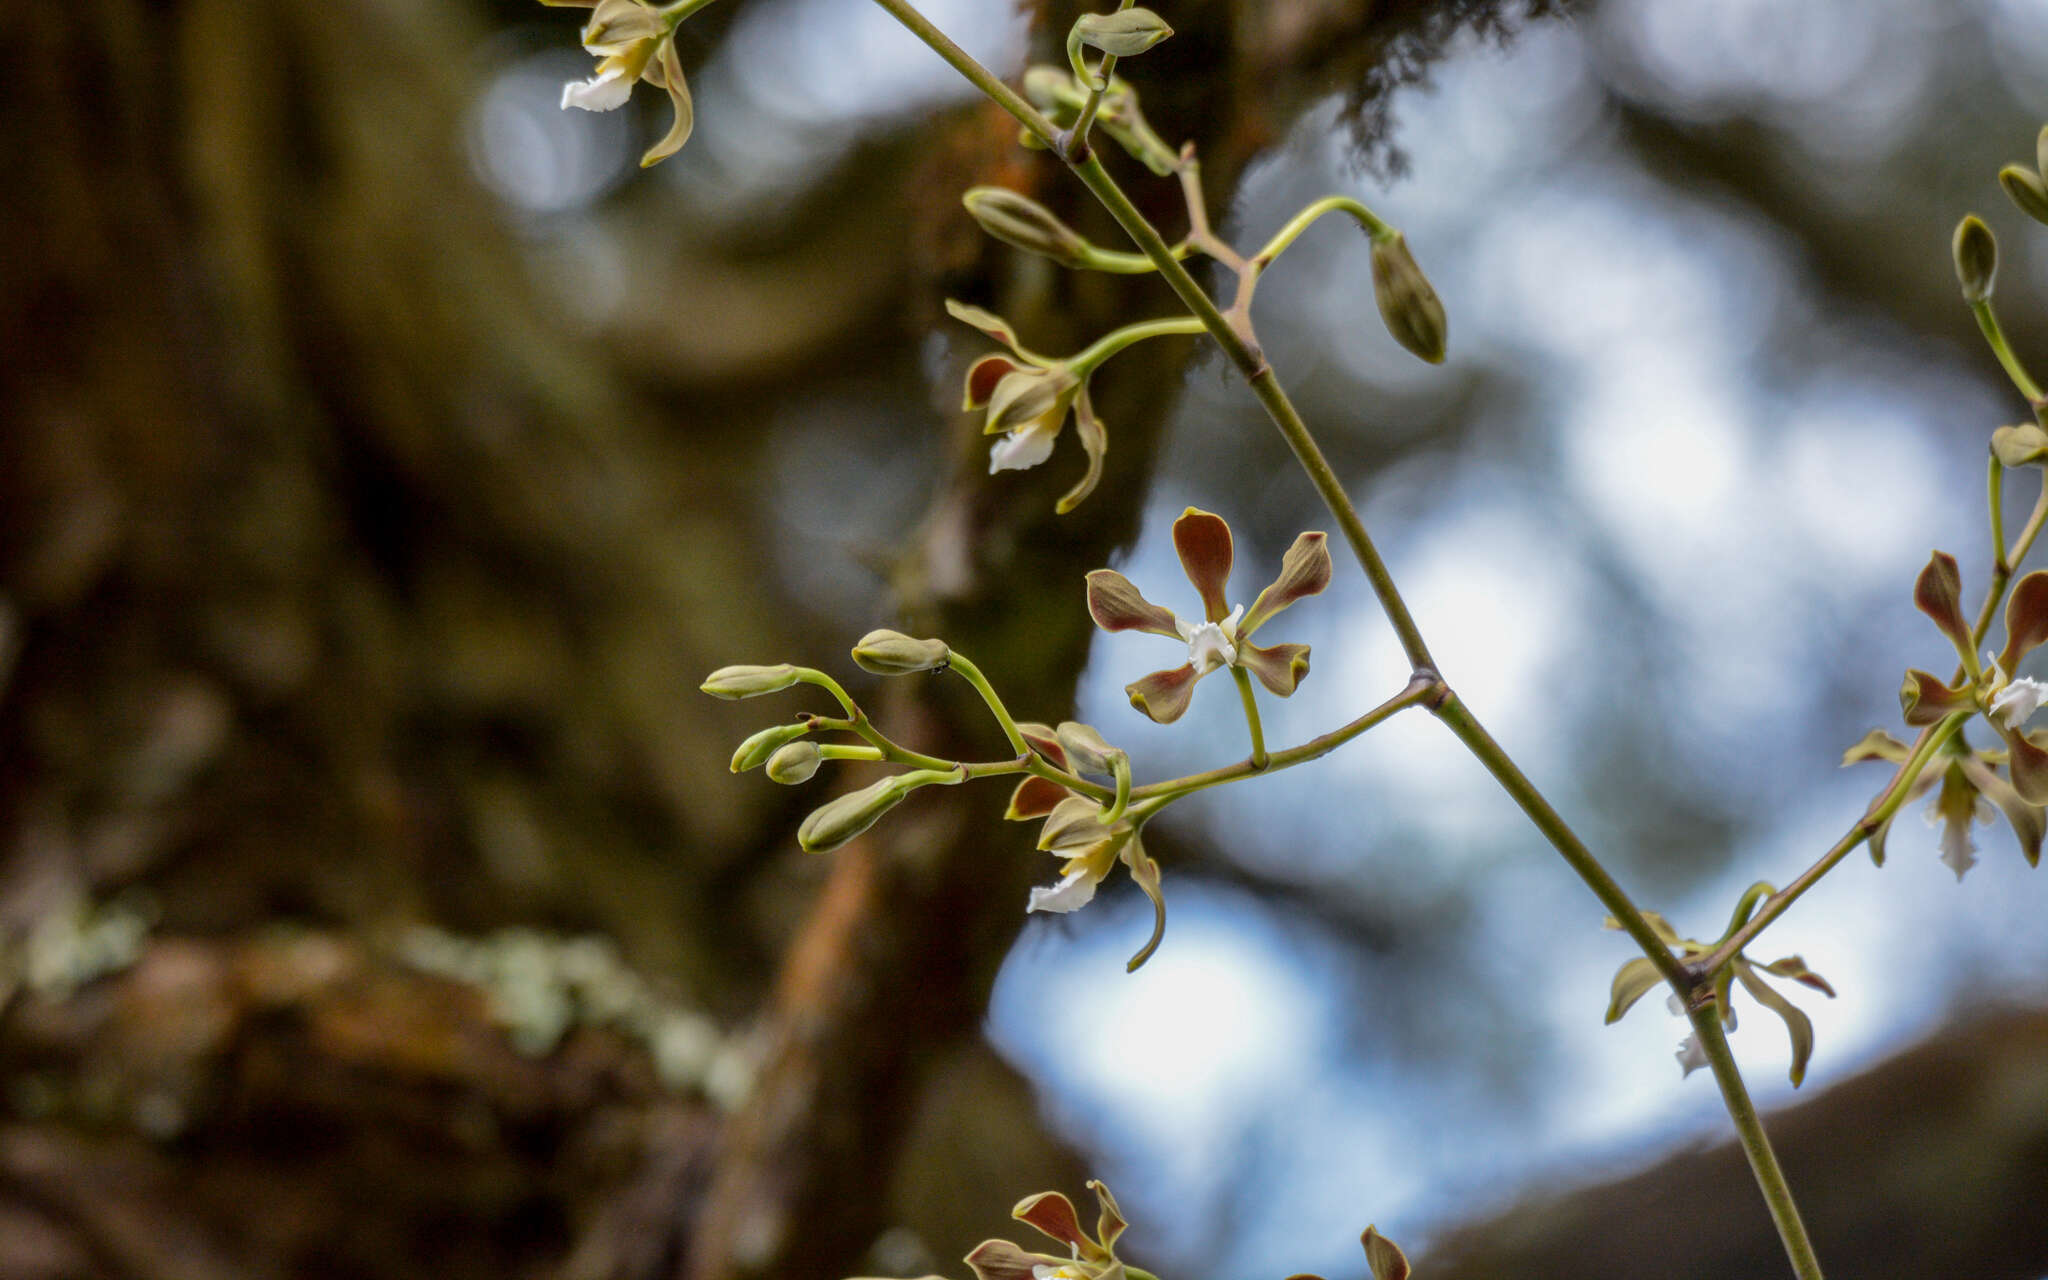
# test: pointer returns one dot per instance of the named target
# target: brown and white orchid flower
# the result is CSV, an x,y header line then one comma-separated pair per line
x,y
1223,637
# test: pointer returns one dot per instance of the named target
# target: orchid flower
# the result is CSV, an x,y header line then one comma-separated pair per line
x,y
1223,637
633,41
1028,397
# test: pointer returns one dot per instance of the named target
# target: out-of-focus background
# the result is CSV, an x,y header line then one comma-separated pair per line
x,y
386,458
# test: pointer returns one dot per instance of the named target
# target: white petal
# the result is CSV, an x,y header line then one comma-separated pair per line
x,y
606,92
1072,893
2017,702
1209,647
1691,1057
1020,449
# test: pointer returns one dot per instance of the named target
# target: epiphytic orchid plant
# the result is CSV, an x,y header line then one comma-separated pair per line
x,y
1083,789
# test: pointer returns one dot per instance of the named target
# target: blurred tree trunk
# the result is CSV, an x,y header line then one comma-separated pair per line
x,y
348,587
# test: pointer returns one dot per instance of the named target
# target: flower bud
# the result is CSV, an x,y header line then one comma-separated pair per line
x,y
794,763
2041,150
891,653
2026,190
1052,90
1122,34
758,748
1016,219
1976,253
1086,748
2025,445
835,823
1407,302
748,682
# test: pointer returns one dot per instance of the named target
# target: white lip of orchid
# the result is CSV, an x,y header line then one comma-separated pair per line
x,y
1958,846
607,91
1025,447
1211,644
2017,702
1691,1054
1075,890
1040,1271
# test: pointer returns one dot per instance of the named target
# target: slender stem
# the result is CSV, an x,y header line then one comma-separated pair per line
x,y
1039,766
1116,340
1747,903
1200,234
1893,796
990,84
1451,710
1259,758
1419,689
1705,1017
857,721
1369,221
1994,486
1987,320
972,675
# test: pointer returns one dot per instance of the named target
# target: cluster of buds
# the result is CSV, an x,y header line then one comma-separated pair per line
x,y
1635,978
1970,785
790,754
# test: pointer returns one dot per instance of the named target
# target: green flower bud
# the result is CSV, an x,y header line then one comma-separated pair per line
x,y
755,750
2026,190
2041,150
794,763
1123,34
1087,749
839,821
1976,253
1407,302
2025,445
891,653
1053,91
1016,219
748,682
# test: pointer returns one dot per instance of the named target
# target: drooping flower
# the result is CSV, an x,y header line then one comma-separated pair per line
x,y
1223,637
1970,788
1926,699
1637,977
1028,397
1076,832
633,41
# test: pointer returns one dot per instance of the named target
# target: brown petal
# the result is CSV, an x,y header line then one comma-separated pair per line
x,y
1877,745
2028,765
1094,442
1794,967
1145,872
1053,1214
1043,739
1383,1256
987,321
1280,668
1164,695
1925,699
1034,798
1116,605
1001,1260
2026,820
2026,619
1304,571
1938,594
1203,541
982,377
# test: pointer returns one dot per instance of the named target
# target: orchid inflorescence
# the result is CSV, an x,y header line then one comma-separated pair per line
x,y
1081,788
1073,779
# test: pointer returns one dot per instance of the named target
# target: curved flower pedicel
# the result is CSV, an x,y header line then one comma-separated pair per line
x,y
1222,638
633,41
